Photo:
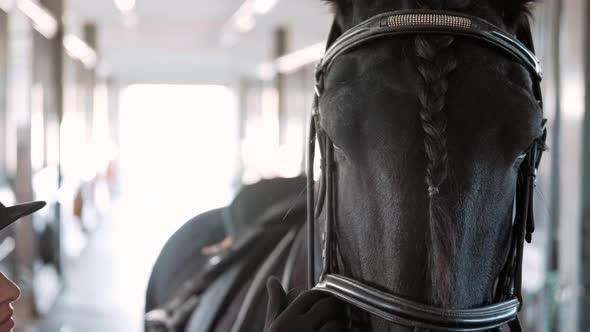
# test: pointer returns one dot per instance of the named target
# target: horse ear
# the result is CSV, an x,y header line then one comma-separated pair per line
x,y
335,33
336,6
514,11
339,9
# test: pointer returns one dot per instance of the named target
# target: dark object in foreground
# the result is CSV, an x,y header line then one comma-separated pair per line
x,y
8,215
311,311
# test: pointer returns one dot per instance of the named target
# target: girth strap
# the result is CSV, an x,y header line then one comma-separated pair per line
x,y
408,313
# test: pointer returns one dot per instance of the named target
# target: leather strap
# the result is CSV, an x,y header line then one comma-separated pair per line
x,y
408,313
249,307
515,325
399,23
310,224
204,317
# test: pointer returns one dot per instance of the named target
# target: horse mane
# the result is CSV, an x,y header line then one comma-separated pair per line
x,y
436,61
514,12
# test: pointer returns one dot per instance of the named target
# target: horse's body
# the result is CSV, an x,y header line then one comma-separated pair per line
x,y
429,135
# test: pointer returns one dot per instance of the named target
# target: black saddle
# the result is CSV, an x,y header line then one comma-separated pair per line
x,y
260,202
259,219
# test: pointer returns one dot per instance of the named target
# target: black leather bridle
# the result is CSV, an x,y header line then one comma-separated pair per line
x,y
508,296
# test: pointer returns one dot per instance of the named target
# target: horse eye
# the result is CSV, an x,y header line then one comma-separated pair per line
x,y
522,156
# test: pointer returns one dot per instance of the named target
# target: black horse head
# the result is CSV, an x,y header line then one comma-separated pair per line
x,y
429,133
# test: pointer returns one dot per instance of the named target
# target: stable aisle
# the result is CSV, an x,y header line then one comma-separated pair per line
x,y
106,286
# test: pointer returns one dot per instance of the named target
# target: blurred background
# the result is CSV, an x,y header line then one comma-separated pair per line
x,y
131,116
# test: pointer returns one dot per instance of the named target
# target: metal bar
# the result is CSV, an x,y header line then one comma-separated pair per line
x,y
280,49
310,204
584,320
555,179
3,89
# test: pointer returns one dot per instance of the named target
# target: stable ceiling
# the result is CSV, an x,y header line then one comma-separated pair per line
x,y
179,41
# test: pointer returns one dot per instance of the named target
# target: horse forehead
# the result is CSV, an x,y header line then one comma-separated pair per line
x,y
490,99
377,76
374,90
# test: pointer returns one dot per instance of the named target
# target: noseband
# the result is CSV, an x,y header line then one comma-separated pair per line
x,y
508,297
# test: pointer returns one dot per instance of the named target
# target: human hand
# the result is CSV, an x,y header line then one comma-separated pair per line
x,y
312,311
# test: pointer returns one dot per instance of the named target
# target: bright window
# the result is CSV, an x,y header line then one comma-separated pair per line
x,y
178,148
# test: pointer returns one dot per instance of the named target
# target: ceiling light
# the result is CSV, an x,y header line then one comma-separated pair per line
x,y
78,49
125,6
262,7
290,63
244,19
43,20
244,23
6,5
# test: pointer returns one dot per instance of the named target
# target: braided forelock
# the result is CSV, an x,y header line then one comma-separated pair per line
x,y
436,61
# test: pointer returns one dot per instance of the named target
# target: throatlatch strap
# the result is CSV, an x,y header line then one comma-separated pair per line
x,y
310,198
515,325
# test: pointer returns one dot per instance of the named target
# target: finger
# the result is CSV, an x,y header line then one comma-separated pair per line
x,y
277,300
327,303
294,293
277,295
325,310
333,326
306,301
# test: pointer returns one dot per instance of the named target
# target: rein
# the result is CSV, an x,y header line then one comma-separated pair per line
x,y
396,309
